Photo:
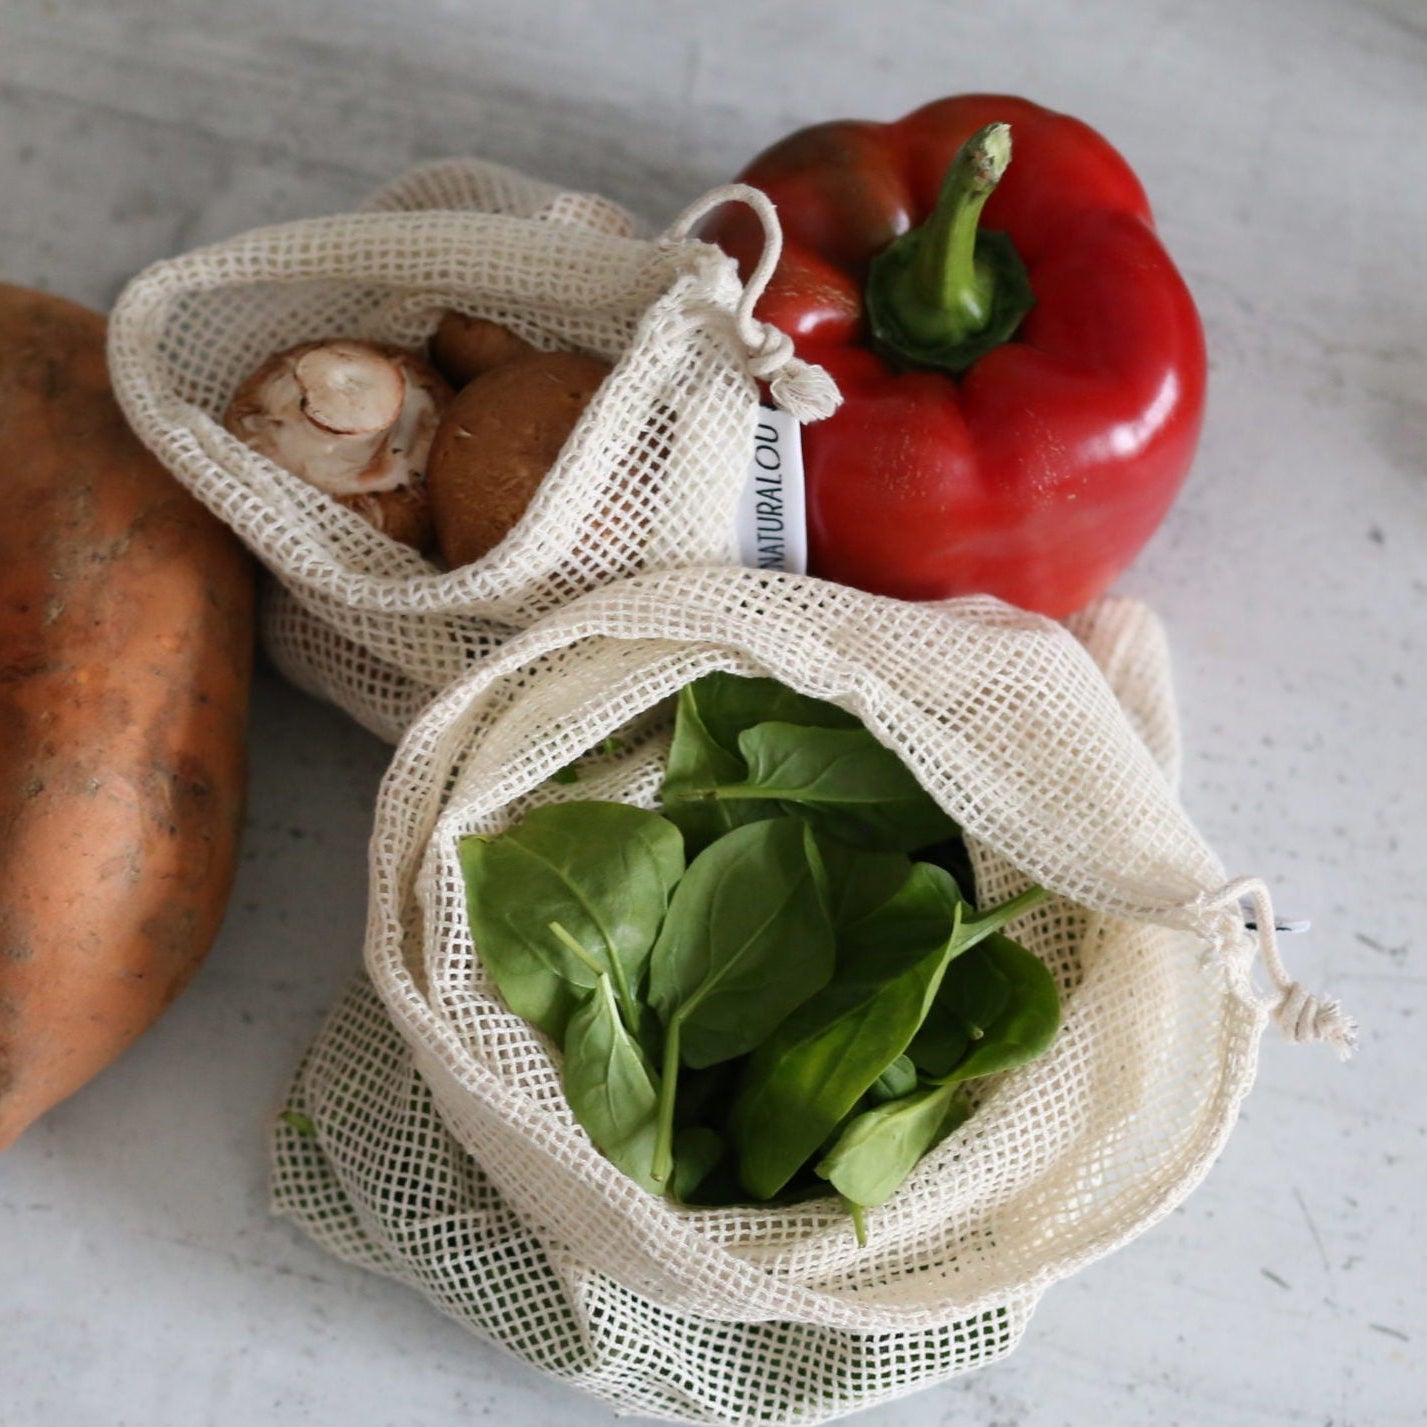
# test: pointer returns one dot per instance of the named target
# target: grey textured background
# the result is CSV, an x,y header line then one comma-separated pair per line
x,y
141,1280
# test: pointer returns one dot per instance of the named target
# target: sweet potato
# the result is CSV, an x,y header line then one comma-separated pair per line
x,y
126,639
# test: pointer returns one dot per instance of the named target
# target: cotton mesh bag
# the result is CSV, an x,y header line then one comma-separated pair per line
x,y
427,1136
649,479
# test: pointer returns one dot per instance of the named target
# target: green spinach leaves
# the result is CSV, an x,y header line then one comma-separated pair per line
x,y
747,939
850,1040
996,1008
573,891
804,1079
729,766
797,1006
612,1089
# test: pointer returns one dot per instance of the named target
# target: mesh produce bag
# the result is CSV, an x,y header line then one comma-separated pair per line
x,y
650,478
427,1134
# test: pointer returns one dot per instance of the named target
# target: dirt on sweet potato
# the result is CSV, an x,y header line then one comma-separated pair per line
x,y
126,640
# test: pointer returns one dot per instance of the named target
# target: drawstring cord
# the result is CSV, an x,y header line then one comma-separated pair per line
x,y
1301,1016
805,391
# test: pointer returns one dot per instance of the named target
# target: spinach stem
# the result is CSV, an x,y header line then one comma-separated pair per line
x,y
859,1222
718,791
628,1006
574,947
979,927
668,1087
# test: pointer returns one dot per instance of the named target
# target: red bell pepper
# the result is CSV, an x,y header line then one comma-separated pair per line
x,y
1021,400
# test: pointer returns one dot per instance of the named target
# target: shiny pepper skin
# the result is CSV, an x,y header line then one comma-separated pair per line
x,y
1038,472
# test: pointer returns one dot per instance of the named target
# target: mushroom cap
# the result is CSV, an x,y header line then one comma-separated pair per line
x,y
462,347
497,441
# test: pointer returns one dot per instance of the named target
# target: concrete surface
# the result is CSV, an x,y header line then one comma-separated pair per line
x,y
142,1283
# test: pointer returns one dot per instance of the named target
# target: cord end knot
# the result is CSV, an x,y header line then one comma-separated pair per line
x,y
1303,1017
805,391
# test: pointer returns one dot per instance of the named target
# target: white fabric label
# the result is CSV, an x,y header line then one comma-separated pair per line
x,y
772,517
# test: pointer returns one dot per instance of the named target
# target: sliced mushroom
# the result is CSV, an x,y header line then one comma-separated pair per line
x,y
354,419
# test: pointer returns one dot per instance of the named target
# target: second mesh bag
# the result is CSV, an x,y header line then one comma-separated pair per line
x,y
1058,759
649,479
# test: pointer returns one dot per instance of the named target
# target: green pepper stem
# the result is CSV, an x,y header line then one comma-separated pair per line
x,y
944,294
952,290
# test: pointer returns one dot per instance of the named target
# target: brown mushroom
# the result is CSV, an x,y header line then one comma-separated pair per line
x,y
355,419
462,347
497,441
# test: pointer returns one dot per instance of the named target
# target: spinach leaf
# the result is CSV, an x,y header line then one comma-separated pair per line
x,y
1008,1003
812,1071
573,891
860,881
881,1147
711,714
746,939
899,1078
972,996
940,1042
731,703
712,711
698,761
612,1089
842,780
697,1149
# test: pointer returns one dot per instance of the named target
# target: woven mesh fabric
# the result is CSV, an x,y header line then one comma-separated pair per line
x,y
1057,754
649,479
